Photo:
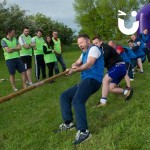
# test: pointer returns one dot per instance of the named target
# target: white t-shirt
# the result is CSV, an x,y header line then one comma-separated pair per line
x,y
21,40
33,40
93,52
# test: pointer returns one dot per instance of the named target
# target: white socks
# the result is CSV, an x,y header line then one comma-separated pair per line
x,y
103,100
125,92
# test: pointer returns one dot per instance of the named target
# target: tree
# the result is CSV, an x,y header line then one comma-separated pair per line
x,y
19,19
100,17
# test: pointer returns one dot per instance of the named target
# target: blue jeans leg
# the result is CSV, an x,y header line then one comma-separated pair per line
x,y
56,68
65,103
85,89
61,61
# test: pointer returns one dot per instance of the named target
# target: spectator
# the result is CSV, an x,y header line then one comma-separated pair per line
x,y
38,53
58,49
11,53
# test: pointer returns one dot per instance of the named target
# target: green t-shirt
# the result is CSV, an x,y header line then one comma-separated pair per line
x,y
49,57
11,44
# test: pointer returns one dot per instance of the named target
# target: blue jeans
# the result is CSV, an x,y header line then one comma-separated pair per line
x,y
61,61
77,96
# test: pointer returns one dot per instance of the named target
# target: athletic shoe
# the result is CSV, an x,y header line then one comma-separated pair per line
x,y
52,81
30,84
131,79
141,72
100,105
65,127
82,137
15,90
37,80
129,94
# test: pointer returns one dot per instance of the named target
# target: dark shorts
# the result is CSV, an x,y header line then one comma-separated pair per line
x,y
127,66
133,62
27,61
117,73
143,58
15,64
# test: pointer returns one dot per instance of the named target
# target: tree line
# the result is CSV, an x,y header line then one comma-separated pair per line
x,y
100,17
14,16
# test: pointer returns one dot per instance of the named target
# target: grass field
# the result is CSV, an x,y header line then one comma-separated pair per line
x,y
27,121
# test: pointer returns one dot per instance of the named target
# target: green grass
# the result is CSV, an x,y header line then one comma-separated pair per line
x,y
27,121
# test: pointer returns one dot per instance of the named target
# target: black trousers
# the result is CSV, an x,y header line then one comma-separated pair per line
x,y
146,50
40,65
50,68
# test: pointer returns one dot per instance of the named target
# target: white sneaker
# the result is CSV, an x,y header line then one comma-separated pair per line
x,y
15,89
30,84
131,79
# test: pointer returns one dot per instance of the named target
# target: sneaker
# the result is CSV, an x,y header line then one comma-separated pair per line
x,y
15,89
52,81
141,72
37,80
65,127
100,105
30,84
129,94
82,137
131,79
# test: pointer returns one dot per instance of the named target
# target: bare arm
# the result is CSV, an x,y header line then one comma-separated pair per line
x,y
87,65
10,50
77,64
24,44
54,51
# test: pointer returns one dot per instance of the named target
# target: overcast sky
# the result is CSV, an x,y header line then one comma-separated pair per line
x,y
60,10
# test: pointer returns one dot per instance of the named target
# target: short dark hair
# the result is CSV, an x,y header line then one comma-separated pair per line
x,y
39,30
83,36
25,28
8,30
55,31
130,41
97,37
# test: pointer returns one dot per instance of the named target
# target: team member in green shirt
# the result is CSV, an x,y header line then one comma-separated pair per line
x,y
57,47
26,53
11,50
38,53
49,54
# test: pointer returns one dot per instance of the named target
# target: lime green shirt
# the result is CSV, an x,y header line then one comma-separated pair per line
x,y
11,44
49,57
57,45
39,45
24,51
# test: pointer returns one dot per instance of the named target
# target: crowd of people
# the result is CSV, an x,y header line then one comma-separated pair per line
x,y
120,61
18,55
